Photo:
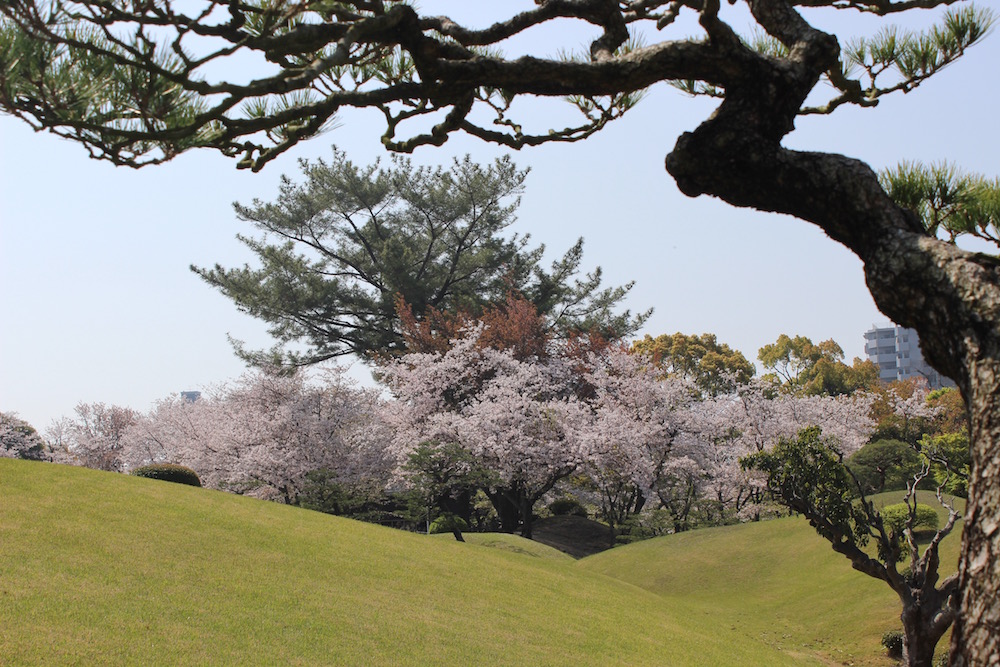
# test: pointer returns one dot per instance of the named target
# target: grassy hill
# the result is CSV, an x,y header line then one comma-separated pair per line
x,y
775,582
98,568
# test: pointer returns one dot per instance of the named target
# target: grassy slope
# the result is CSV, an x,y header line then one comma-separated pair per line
x,y
776,582
97,568
512,543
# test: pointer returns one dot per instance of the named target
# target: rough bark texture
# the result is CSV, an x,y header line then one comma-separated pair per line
x,y
925,619
976,637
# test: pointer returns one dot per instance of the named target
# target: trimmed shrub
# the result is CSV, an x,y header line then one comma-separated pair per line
x,y
448,523
894,517
567,506
893,643
168,472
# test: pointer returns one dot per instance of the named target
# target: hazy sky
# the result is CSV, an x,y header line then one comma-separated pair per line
x,y
97,302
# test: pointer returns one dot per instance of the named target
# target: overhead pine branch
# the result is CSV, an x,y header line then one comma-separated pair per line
x,y
135,82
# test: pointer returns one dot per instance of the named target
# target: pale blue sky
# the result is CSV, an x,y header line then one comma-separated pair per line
x,y
97,302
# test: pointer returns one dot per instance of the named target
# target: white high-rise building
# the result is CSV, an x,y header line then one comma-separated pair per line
x,y
896,351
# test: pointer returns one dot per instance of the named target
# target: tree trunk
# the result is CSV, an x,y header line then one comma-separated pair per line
x,y
923,625
918,650
976,636
507,511
526,508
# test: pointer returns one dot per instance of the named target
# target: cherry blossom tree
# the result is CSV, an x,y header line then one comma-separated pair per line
x,y
19,439
516,418
95,437
755,418
263,433
635,446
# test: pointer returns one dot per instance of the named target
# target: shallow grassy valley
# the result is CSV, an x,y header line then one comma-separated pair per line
x,y
99,568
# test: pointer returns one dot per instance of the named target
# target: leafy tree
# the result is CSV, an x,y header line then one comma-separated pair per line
x,y
337,251
513,324
447,477
712,366
951,415
140,83
885,465
808,475
815,369
948,455
19,439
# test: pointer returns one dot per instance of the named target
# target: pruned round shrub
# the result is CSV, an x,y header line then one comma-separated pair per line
x,y
893,643
567,506
168,472
448,523
894,517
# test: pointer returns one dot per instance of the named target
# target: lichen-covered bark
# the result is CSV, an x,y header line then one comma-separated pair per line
x,y
976,637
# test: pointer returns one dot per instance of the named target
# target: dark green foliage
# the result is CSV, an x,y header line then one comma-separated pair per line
x,y
808,477
893,643
337,251
894,517
448,523
168,472
567,506
885,465
322,491
446,476
949,202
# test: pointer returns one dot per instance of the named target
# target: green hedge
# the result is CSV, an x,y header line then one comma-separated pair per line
x,y
893,643
566,506
168,472
894,517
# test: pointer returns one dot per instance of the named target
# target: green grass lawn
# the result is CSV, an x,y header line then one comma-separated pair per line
x,y
99,568
775,582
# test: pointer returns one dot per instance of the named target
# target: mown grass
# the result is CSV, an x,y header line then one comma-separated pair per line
x,y
775,582
98,568
512,543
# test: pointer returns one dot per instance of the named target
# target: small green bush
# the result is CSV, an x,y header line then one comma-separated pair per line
x,y
168,472
567,506
448,523
894,517
893,643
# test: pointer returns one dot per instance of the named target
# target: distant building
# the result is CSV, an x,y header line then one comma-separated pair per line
x,y
896,352
190,396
